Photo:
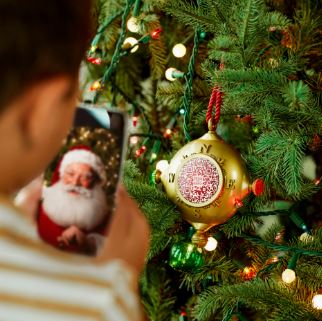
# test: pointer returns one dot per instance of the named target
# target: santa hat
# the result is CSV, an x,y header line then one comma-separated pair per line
x,y
83,154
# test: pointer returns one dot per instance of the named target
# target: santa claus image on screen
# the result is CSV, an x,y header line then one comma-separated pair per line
x,y
73,213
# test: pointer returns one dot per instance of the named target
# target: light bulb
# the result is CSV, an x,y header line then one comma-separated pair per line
x,y
317,301
168,74
155,34
135,120
95,86
181,111
168,131
94,61
211,244
131,42
154,156
246,270
132,25
134,140
306,238
179,50
162,166
288,276
238,203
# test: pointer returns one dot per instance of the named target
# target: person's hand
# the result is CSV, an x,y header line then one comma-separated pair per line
x,y
129,234
72,236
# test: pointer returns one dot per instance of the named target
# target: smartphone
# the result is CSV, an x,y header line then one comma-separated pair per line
x,y
80,183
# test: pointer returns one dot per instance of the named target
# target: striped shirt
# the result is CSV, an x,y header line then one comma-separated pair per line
x,y
39,283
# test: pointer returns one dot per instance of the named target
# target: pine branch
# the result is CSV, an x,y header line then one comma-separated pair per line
x,y
273,301
158,300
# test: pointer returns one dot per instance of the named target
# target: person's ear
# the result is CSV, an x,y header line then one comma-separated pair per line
x,y
47,109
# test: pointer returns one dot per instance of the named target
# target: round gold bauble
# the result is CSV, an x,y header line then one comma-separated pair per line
x,y
207,179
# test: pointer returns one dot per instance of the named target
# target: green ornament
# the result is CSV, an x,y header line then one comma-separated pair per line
x,y
186,256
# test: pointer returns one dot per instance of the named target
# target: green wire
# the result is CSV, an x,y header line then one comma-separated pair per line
x,y
103,27
116,55
295,250
187,96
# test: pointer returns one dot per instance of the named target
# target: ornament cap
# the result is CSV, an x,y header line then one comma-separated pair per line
x,y
157,176
258,187
199,239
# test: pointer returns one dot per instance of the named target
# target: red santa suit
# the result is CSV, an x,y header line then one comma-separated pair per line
x,y
59,210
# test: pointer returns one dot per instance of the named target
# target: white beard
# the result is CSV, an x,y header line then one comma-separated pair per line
x,y
86,210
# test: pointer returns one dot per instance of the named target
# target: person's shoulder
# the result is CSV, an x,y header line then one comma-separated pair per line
x,y
26,258
13,221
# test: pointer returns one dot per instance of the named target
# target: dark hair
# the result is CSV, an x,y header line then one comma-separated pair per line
x,y
40,39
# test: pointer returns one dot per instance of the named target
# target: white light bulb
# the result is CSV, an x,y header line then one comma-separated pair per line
x,y
211,244
168,74
132,42
317,301
288,276
179,50
162,166
134,140
306,238
132,25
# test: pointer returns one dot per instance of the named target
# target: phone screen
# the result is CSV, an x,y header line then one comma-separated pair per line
x,y
80,183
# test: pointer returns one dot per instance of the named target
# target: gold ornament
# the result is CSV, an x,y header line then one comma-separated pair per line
x,y
207,179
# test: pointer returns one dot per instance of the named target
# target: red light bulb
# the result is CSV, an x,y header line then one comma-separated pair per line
x,y
155,34
135,120
238,203
94,61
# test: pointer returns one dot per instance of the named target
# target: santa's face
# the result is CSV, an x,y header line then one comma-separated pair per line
x,y
68,202
78,175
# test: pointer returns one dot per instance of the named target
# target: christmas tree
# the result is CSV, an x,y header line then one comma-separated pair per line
x,y
258,61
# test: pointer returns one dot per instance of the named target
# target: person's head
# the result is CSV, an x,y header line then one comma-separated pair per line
x,y
41,47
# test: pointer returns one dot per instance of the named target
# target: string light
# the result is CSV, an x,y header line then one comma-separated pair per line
x,y
132,25
248,273
153,156
306,237
317,301
94,61
131,42
167,133
181,111
155,33
95,86
155,150
142,149
172,73
211,244
288,276
179,50
135,120
238,203
168,74
93,48
134,140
